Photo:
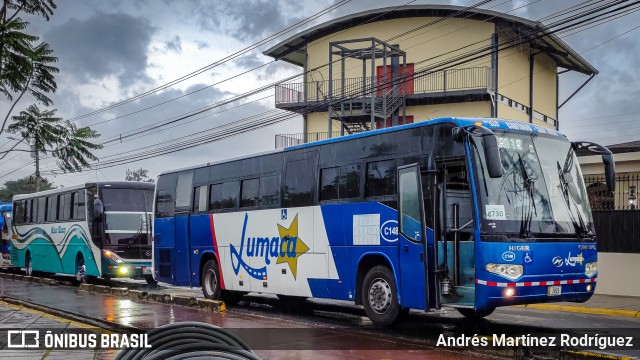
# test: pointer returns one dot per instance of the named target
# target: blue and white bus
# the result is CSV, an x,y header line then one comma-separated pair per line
x,y
5,235
468,213
89,230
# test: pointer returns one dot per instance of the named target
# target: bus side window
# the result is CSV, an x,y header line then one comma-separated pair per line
x,y
381,178
269,190
78,212
200,199
350,181
42,209
51,207
299,183
28,218
18,212
215,197
329,183
64,207
165,198
249,192
183,189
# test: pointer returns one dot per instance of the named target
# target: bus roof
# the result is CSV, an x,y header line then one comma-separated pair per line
x,y
491,123
115,184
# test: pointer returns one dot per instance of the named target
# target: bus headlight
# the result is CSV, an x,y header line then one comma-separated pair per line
x,y
591,269
509,271
112,256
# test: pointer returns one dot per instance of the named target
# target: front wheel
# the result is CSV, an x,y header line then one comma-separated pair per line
x,y
211,280
28,265
81,272
473,314
380,296
150,280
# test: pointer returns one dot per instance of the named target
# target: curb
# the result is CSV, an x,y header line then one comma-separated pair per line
x,y
183,300
585,310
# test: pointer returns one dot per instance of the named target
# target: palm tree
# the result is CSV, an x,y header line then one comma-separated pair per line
x,y
45,133
74,147
36,78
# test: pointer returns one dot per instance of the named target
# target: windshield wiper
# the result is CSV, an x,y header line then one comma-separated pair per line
x,y
581,227
529,186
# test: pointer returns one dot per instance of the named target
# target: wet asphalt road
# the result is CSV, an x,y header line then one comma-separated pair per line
x,y
323,328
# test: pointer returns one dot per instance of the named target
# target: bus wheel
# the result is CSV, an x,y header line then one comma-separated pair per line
x,y
28,266
211,280
379,296
472,314
150,280
231,298
81,272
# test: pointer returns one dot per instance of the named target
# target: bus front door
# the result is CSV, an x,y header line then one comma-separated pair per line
x,y
412,238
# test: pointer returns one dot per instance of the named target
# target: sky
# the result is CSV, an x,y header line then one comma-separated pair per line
x,y
112,50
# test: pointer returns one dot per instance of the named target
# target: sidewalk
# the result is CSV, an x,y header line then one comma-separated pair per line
x,y
608,305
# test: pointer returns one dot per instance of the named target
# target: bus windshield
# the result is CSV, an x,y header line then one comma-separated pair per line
x,y
127,215
541,194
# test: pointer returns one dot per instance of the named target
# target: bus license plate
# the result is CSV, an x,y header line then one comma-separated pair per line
x,y
146,271
555,290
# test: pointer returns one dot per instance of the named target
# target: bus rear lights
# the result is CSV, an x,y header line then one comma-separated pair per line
x,y
509,271
590,269
509,292
112,256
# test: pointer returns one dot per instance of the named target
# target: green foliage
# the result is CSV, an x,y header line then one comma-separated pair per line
x,y
25,65
141,175
63,139
25,185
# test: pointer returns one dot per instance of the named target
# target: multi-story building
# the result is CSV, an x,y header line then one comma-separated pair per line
x,y
390,66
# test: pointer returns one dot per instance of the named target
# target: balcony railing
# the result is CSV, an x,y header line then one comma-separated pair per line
x,y
286,140
436,82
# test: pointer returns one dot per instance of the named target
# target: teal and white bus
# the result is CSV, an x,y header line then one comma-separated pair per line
x,y
90,230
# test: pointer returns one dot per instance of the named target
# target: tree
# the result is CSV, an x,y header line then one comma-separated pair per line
x,y
141,175
24,66
25,185
45,134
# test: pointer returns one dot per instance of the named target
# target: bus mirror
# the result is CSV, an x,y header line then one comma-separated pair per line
x,y
609,172
97,210
492,156
585,148
490,144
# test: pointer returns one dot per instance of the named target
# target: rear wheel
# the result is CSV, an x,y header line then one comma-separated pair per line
x,y
211,280
380,296
473,314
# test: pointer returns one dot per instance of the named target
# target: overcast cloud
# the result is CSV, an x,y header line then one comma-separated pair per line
x,y
112,50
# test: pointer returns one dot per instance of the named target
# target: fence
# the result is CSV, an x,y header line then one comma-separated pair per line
x,y
437,81
624,198
286,140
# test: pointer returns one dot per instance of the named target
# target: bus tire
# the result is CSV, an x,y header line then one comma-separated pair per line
x,y
150,280
380,296
28,265
211,280
81,272
473,314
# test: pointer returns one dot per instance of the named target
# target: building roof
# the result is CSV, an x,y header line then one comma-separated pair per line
x,y
626,147
292,50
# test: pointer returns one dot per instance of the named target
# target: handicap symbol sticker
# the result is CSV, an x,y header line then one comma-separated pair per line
x,y
283,214
528,257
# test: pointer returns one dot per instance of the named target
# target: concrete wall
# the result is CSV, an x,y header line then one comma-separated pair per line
x,y
618,274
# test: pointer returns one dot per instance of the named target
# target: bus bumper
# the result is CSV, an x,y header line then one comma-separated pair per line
x,y
133,270
491,296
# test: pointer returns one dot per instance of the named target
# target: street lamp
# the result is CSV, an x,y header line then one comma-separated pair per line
x,y
632,197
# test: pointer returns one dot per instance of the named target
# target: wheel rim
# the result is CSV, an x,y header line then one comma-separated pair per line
x,y
380,296
81,272
210,282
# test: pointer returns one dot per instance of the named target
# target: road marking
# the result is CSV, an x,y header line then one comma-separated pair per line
x,y
584,310
54,317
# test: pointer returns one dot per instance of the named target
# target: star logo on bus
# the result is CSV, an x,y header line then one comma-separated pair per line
x,y
292,247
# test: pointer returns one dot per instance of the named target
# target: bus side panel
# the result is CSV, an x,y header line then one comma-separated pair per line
x,y
201,243
163,248
40,246
74,244
355,232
